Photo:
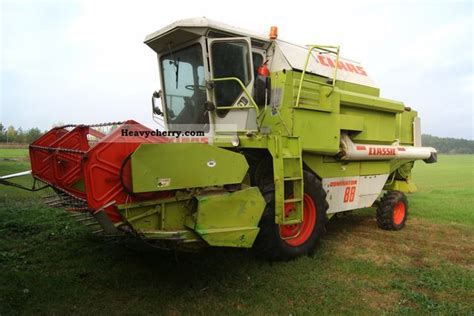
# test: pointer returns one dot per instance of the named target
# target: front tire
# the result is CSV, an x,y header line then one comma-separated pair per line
x,y
275,242
392,211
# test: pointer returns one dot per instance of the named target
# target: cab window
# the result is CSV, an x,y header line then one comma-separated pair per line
x,y
229,59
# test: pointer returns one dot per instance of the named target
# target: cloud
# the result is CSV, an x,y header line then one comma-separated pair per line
x,y
467,84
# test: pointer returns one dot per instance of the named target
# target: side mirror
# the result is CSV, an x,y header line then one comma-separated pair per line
x,y
156,108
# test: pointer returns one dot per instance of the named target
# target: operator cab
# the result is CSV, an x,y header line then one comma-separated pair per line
x,y
209,76
184,86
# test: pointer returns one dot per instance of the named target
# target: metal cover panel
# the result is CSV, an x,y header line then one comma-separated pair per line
x,y
323,64
349,193
162,167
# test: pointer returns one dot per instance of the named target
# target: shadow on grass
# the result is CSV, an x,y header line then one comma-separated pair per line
x,y
209,265
346,222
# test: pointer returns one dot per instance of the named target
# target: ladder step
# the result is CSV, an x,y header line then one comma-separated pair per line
x,y
92,224
290,157
85,219
292,222
292,178
294,200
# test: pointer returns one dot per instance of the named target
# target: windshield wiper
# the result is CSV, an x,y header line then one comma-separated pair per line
x,y
176,64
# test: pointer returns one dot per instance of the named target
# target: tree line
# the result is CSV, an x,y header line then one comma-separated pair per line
x,y
447,145
11,134
444,145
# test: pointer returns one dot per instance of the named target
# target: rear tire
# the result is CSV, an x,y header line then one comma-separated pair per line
x,y
392,211
269,243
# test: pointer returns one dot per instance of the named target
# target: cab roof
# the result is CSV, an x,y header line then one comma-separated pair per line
x,y
201,25
292,56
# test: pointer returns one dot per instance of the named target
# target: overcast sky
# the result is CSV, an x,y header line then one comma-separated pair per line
x,y
85,61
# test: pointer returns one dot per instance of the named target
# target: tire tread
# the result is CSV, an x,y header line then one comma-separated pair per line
x,y
384,213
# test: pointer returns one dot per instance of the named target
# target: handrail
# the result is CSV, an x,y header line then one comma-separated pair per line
x,y
326,48
247,94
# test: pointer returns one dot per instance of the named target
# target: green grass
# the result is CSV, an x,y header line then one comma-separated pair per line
x,y
446,190
13,153
52,265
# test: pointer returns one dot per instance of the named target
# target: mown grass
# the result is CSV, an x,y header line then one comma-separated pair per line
x,y
18,153
446,190
51,265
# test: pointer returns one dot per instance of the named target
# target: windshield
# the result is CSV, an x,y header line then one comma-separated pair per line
x,y
184,87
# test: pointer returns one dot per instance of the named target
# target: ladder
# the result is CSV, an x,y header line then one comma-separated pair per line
x,y
288,178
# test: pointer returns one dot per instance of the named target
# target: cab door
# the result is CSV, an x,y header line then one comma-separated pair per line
x,y
230,59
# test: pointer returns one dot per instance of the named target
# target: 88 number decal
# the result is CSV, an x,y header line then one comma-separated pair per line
x,y
349,194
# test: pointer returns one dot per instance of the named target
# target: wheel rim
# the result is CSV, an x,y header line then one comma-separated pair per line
x,y
306,227
399,213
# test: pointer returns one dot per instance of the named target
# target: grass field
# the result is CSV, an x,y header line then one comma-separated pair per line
x,y
51,265
17,153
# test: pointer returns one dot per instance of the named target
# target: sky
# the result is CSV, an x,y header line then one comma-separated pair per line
x,y
85,61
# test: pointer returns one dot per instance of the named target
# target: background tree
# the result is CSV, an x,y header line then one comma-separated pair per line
x,y
11,134
32,134
446,145
3,133
20,136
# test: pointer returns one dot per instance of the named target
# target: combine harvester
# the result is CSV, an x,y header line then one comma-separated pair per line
x,y
289,136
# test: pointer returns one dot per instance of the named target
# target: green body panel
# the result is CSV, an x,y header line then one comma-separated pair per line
x,y
349,86
323,113
402,167
161,218
401,185
217,218
313,95
279,119
330,168
374,167
372,103
162,167
327,130
229,219
403,127
379,127
351,122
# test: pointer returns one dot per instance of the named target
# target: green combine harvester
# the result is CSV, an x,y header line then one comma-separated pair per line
x,y
262,141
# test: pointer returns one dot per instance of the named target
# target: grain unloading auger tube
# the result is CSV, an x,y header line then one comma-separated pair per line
x,y
359,151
